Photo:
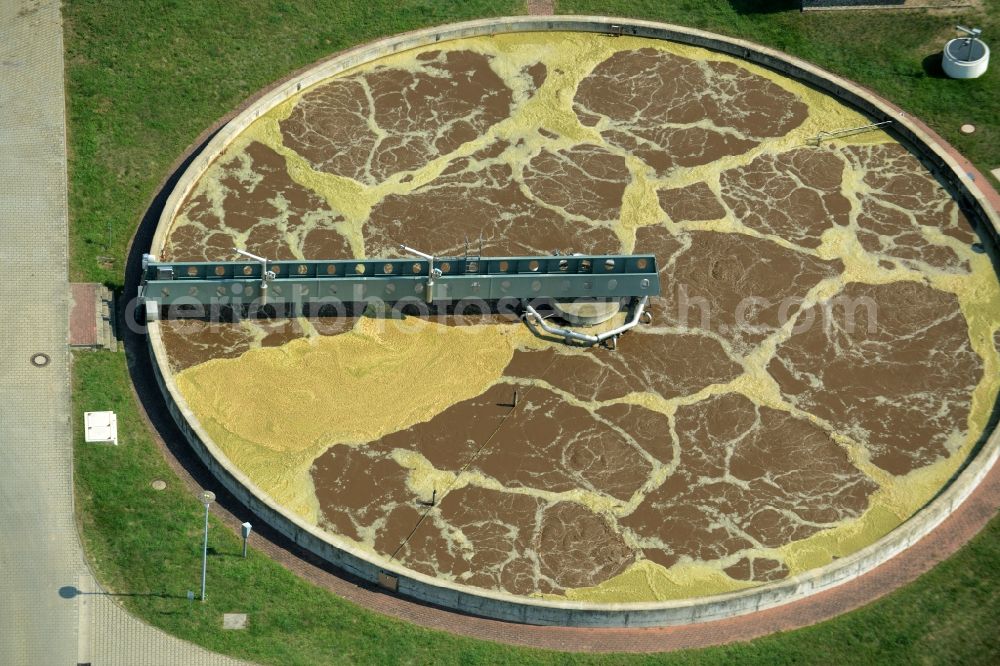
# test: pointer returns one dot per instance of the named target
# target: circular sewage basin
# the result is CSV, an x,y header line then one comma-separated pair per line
x,y
821,362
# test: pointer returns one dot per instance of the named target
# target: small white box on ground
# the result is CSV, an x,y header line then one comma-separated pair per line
x,y
101,427
234,620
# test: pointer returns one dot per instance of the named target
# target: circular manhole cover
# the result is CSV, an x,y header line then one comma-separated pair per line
x,y
159,484
40,360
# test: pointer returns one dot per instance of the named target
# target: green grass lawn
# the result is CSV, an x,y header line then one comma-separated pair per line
x,y
147,544
146,78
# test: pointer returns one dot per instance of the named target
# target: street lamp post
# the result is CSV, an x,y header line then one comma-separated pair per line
x,y
245,531
207,497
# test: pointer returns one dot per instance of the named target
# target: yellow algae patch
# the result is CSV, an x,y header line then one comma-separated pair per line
x,y
649,581
285,477
292,402
423,477
820,549
568,58
979,297
403,372
640,205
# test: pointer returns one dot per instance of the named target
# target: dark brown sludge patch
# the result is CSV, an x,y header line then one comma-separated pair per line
x,y
494,552
189,342
584,180
738,286
694,202
468,201
650,430
453,98
452,438
549,444
900,199
278,332
278,216
504,541
359,487
515,543
891,367
748,477
759,569
654,102
578,548
794,195
672,365
545,443
537,72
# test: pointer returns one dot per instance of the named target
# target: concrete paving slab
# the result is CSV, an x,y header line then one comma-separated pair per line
x,y
83,315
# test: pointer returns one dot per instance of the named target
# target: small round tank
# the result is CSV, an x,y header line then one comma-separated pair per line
x,y
965,57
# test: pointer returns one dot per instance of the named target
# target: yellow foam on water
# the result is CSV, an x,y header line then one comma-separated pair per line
x,y
274,410
649,581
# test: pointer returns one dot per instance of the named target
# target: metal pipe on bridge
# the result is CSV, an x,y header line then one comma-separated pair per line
x,y
576,336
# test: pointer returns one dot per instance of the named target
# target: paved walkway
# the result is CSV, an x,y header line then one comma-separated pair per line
x,y
38,545
541,7
43,620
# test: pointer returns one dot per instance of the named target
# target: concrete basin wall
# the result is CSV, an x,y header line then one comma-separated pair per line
x,y
936,156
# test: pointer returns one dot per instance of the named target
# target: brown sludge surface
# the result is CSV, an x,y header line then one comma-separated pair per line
x,y
892,383
657,104
794,195
479,196
261,208
713,440
748,477
451,100
709,276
